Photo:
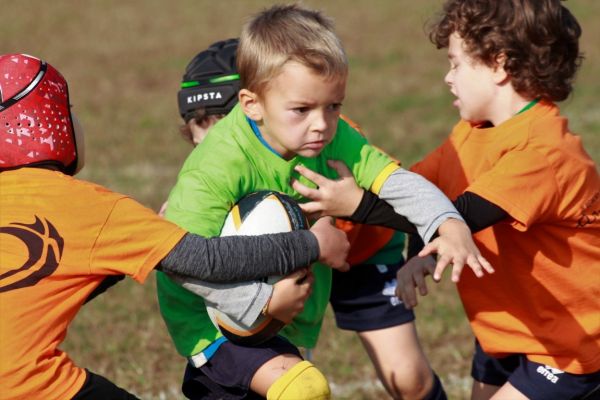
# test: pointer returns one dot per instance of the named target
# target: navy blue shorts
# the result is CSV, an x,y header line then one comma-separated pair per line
x,y
97,387
536,381
364,299
228,373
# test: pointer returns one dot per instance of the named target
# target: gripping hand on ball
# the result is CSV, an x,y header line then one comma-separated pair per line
x,y
289,295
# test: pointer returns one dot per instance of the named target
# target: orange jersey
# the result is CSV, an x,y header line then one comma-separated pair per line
x,y
59,237
544,298
365,240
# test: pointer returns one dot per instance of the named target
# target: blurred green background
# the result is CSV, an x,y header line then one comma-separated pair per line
x,y
124,61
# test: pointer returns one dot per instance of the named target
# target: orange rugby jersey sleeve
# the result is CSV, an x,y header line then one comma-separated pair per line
x,y
133,241
429,166
523,184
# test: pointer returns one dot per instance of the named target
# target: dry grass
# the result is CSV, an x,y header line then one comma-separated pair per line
x,y
124,61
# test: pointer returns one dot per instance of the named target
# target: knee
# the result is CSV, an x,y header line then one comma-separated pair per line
x,y
415,387
302,381
429,387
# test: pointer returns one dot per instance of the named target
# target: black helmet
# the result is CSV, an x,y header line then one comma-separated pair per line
x,y
210,81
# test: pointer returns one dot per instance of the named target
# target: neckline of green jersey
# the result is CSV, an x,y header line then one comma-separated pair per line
x,y
260,137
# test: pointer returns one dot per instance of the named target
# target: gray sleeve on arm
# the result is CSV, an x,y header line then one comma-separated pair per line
x,y
241,258
419,200
241,301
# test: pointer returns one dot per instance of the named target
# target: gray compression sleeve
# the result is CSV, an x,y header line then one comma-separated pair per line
x,y
241,258
419,200
242,301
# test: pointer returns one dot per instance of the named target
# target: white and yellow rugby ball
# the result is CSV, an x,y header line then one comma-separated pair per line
x,y
256,214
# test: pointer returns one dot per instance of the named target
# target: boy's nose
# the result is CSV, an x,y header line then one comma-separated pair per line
x,y
448,78
319,122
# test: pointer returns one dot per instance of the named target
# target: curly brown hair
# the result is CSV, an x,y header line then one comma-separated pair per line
x,y
538,39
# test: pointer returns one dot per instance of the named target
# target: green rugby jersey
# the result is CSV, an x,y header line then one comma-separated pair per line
x,y
230,164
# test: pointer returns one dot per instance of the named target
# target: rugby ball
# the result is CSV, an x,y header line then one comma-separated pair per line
x,y
256,214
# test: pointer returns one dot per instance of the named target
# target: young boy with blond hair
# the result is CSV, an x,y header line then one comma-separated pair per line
x,y
362,298
525,184
293,71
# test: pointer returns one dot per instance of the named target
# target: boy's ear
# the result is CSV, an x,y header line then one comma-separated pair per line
x,y
500,74
250,104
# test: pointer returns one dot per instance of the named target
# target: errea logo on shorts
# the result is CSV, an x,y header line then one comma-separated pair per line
x,y
550,373
390,290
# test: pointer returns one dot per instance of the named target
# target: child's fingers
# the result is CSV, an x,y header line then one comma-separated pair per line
x,y
478,264
306,286
406,292
305,191
473,262
428,249
440,266
409,298
309,279
430,267
163,209
485,263
300,276
311,208
344,268
310,175
421,284
457,268
341,168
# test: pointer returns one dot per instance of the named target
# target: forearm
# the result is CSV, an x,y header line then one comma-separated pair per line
x,y
374,211
420,201
478,213
242,301
241,258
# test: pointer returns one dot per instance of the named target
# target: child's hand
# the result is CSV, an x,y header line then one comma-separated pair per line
x,y
338,198
163,209
455,246
412,275
289,295
333,244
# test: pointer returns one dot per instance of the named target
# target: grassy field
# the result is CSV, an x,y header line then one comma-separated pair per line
x,y
124,62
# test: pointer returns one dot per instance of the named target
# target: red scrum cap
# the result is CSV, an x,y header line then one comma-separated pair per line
x,y
36,127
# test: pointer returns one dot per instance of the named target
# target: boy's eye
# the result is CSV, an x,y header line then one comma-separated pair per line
x,y
335,107
301,110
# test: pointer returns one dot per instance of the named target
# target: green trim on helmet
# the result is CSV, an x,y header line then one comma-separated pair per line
x,y
226,78
220,79
189,84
